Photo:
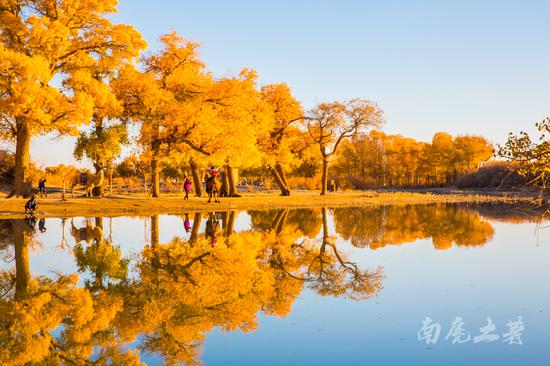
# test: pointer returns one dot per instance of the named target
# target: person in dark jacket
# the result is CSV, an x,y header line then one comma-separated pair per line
x,y
42,187
31,206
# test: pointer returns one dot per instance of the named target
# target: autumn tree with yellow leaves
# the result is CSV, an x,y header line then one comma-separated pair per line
x,y
378,159
50,52
531,155
183,111
281,145
329,124
157,97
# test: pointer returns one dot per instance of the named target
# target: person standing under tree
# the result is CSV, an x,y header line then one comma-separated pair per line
x,y
186,186
42,187
332,186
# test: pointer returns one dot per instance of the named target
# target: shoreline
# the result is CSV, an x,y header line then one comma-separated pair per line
x,y
138,205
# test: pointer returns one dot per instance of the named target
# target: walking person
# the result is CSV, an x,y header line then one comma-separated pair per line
x,y
186,186
42,187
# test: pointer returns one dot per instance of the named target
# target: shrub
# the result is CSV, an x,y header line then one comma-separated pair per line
x,y
305,182
494,175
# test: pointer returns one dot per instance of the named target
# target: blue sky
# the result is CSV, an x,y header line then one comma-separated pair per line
x,y
465,67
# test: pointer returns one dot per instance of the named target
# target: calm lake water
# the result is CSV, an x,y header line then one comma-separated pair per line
x,y
341,286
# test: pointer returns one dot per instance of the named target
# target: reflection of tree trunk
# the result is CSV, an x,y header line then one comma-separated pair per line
x,y
195,228
228,222
279,180
197,183
154,232
22,154
99,222
231,179
63,238
110,230
22,267
280,220
325,225
324,180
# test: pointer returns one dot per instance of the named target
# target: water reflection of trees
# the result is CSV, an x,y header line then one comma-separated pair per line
x,y
100,256
181,290
379,226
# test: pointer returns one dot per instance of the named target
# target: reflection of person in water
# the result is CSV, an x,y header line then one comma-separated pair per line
x,y
42,225
31,221
212,228
187,223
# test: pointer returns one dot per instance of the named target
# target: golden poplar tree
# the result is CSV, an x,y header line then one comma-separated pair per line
x,y
47,52
329,124
277,146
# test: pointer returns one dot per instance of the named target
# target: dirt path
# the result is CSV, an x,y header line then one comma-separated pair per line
x,y
135,205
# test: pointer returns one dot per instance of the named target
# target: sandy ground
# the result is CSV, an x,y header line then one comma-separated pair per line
x,y
137,205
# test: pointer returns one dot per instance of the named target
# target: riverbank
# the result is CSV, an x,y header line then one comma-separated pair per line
x,y
122,205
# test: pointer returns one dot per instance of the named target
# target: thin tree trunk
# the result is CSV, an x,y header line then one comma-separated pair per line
x,y
231,180
22,157
282,174
63,192
155,174
224,187
324,180
197,182
111,180
22,267
280,182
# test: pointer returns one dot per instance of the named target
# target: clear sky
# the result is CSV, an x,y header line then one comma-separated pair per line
x,y
465,67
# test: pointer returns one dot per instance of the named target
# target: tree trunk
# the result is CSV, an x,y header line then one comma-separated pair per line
x,y
282,174
22,267
324,180
197,182
280,182
22,157
224,187
231,180
97,191
111,180
63,192
155,174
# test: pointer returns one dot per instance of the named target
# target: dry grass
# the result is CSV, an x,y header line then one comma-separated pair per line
x,y
174,204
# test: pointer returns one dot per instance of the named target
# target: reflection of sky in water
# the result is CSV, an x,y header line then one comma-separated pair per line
x,y
504,278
